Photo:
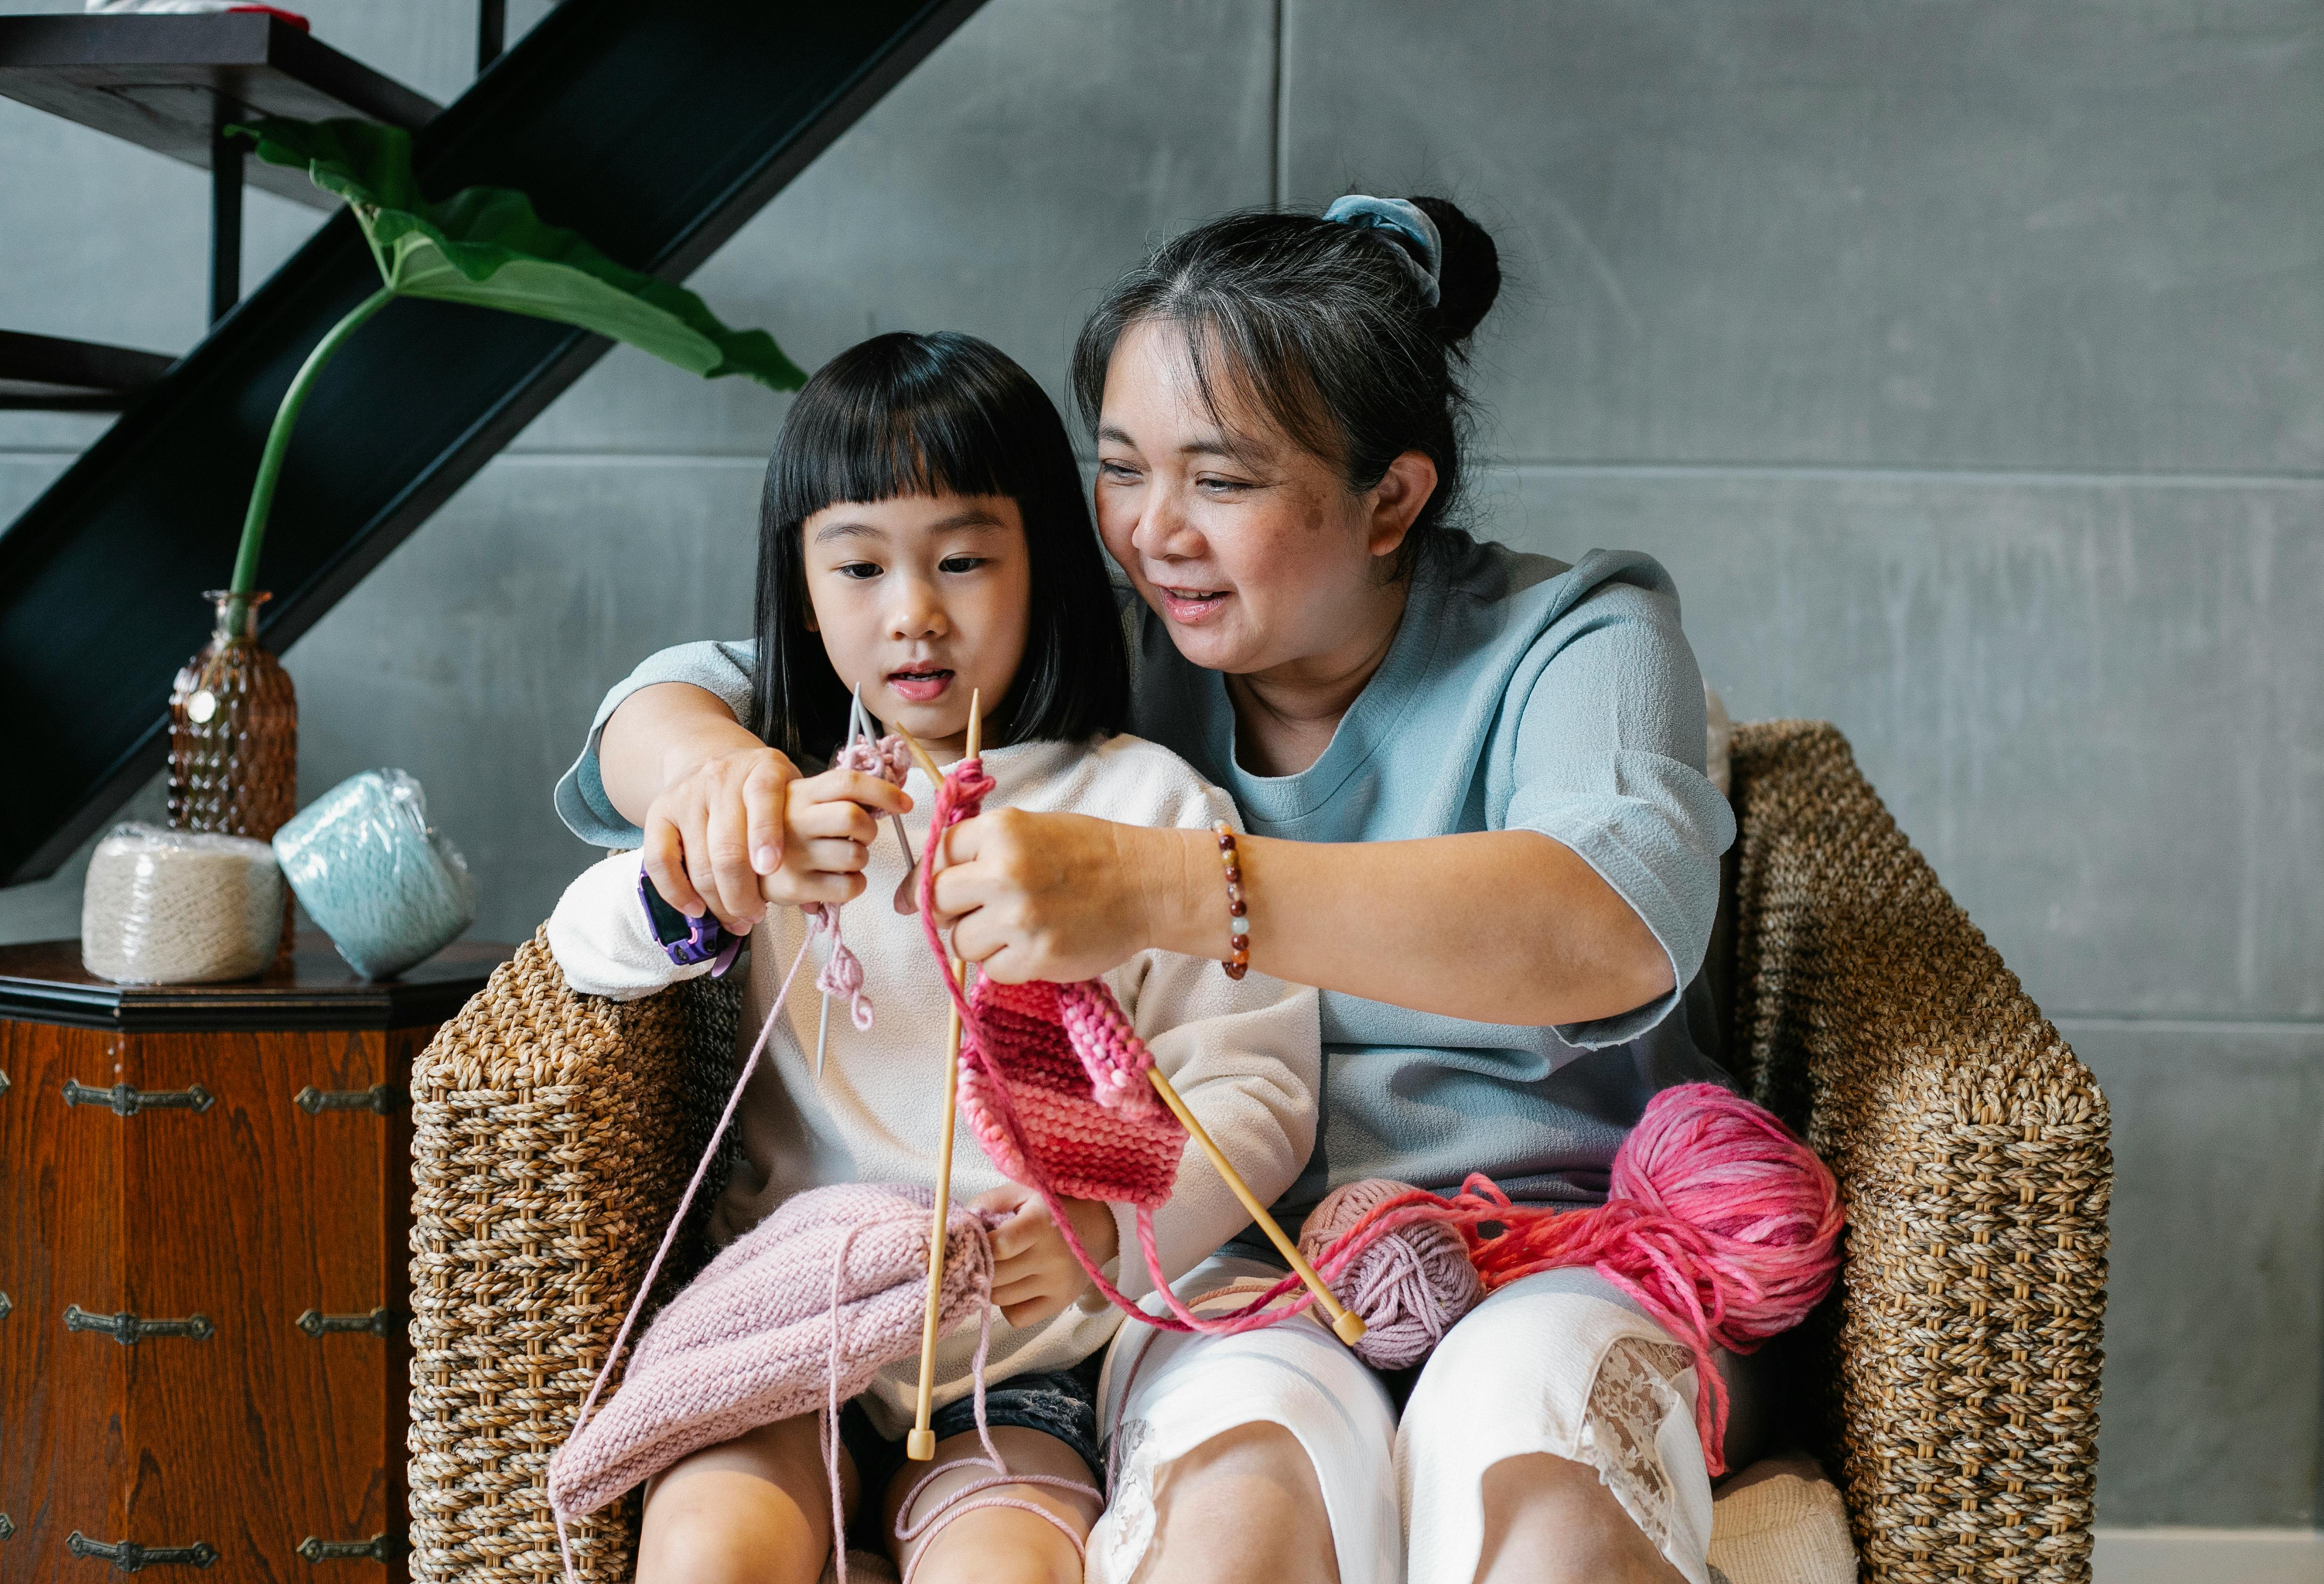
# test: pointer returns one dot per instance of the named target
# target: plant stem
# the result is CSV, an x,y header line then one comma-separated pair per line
x,y
278,444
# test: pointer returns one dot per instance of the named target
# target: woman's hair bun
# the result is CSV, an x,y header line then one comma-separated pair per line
x,y
1469,278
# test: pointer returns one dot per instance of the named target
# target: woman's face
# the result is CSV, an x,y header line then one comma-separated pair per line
x,y
921,600
1253,551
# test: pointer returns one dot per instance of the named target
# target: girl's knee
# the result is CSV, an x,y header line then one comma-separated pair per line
x,y
753,1509
985,1542
695,1538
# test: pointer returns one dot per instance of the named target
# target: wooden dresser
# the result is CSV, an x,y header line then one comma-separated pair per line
x,y
205,1203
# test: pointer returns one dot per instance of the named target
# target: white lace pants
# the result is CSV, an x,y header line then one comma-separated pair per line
x,y
1560,1363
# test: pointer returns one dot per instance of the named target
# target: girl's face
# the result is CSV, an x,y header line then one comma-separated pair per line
x,y
1253,550
920,600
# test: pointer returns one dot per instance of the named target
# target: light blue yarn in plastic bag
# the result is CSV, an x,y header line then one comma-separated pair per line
x,y
385,886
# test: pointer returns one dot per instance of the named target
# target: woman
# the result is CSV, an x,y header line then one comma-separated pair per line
x,y
1481,827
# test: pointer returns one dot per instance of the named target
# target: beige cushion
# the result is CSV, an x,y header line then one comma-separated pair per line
x,y
1781,1522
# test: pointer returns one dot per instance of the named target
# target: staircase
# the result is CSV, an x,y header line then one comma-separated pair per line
x,y
655,128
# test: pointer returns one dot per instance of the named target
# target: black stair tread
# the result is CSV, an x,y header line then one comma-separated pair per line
x,y
167,82
655,128
60,375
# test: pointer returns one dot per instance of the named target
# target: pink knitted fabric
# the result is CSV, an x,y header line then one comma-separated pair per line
x,y
1053,1084
801,1311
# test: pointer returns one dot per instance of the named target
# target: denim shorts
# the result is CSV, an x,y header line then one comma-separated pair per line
x,y
1060,1402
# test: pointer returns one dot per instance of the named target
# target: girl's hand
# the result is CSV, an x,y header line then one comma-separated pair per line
x,y
1034,1275
829,823
1060,897
713,834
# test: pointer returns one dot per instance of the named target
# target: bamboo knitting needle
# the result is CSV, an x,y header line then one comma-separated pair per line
x,y
1346,1323
920,1445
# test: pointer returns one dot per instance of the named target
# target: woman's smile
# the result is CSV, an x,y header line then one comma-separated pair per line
x,y
1189,607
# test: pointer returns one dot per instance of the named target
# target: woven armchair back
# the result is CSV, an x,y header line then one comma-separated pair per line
x,y
1953,1378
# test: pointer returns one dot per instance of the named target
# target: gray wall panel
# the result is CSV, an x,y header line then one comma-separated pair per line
x,y
996,191
1994,232
2094,705
474,657
2212,1368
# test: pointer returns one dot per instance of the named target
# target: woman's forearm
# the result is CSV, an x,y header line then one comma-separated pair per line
x,y
660,734
1501,927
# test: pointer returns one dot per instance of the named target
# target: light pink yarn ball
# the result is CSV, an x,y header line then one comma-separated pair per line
x,y
1409,1286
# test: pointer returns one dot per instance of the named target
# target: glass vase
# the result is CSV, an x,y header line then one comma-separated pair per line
x,y
234,732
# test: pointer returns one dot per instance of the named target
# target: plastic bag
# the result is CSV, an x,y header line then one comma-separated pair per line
x,y
386,885
163,906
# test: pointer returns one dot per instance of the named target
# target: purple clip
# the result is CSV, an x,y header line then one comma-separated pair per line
x,y
704,940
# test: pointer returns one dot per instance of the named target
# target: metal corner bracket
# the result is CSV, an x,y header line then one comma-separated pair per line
x,y
129,1330
127,1101
382,1098
381,1547
129,1556
316,1324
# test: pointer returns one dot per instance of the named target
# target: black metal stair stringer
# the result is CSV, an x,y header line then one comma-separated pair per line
x,y
656,128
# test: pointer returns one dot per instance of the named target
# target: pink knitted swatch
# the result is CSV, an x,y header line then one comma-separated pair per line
x,y
1074,1112
801,1311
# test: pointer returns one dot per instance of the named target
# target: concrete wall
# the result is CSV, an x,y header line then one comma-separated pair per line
x,y
1964,360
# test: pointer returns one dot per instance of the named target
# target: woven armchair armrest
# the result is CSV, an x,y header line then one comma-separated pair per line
x,y
1955,1372
553,1134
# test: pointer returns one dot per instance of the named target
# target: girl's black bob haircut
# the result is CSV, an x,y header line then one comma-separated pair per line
x,y
941,414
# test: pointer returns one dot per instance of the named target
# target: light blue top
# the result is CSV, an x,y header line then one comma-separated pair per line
x,y
1519,693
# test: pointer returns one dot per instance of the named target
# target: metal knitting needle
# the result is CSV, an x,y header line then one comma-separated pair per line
x,y
823,1020
920,1445
896,821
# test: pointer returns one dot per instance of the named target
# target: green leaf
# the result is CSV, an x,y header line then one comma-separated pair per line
x,y
486,246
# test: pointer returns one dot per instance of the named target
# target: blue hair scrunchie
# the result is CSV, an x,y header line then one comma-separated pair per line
x,y
1426,255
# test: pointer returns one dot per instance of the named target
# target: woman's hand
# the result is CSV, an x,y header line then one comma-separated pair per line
x,y
744,829
1060,897
1034,1275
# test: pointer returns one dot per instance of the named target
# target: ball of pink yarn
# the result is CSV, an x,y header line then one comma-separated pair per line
x,y
1409,1285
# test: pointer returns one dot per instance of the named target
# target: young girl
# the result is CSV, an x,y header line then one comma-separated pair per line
x,y
924,537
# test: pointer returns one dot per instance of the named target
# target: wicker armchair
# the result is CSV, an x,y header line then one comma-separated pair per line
x,y
1951,1384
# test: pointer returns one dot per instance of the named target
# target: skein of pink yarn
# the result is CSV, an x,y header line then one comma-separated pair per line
x,y
1410,1285
1719,1221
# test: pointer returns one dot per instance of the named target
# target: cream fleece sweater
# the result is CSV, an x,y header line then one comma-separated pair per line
x,y
1245,1056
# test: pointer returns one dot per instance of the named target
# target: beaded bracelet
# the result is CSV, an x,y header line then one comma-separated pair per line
x,y
1238,927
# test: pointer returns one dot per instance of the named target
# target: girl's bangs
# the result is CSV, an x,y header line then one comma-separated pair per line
x,y
890,437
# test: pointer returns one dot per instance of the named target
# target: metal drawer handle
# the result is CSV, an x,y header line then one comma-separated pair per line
x,y
7,1308
129,1556
3,1089
382,1098
316,1324
128,1329
128,1102
7,1526
377,1549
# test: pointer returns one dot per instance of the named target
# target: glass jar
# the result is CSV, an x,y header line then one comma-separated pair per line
x,y
234,730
